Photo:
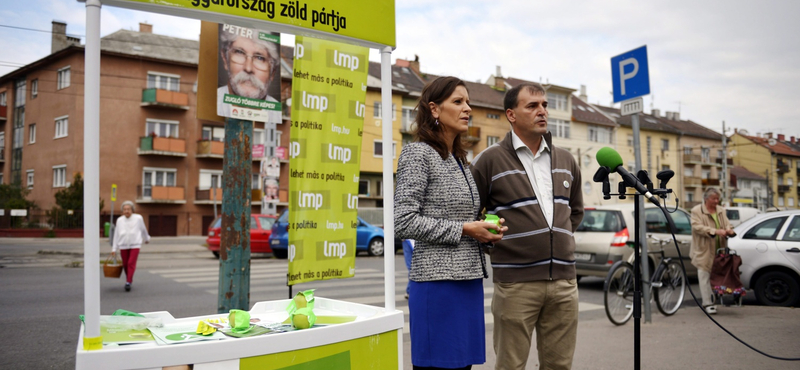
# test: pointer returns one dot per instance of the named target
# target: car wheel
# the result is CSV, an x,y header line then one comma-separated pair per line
x,y
777,288
216,254
280,254
375,247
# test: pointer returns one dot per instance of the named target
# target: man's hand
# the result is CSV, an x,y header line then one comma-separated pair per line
x,y
479,230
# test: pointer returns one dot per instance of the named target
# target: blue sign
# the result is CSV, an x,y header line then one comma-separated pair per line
x,y
629,74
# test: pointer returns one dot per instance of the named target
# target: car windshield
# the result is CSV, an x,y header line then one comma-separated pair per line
x,y
596,220
284,217
266,222
218,222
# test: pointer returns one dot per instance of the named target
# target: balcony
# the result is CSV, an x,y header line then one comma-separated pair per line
x,y
210,149
160,194
153,145
3,113
783,189
407,126
782,166
719,161
206,196
692,158
710,182
689,204
165,99
473,135
691,182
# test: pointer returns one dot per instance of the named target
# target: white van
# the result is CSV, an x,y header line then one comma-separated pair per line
x,y
737,215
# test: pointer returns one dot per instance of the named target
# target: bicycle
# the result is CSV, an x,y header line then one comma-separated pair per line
x,y
668,285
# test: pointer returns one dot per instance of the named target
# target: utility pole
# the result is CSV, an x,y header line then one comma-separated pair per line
x,y
725,166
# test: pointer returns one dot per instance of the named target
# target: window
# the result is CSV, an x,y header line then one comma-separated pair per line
x,y
1,179
163,81
157,177
745,184
258,136
3,101
19,95
793,231
492,116
687,150
162,128
600,134
706,174
60,176
790,202
719,154
62,126
409,114
595,220
254,183
706,153
377,111
34,88
664,144
377,150
556,102
379,185
789,181
213,133
30,179
363,187
664,167
780,201
683,222
690,197
491,140
210,179
766,230
630,140
560,128
31,134
63,78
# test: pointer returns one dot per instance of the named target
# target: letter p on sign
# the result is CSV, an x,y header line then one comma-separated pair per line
x,y
630,75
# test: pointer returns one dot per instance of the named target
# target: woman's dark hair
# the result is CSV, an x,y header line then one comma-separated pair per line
x,y
427,130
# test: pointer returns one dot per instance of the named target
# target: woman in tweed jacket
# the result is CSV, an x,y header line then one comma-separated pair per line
x,y
436,204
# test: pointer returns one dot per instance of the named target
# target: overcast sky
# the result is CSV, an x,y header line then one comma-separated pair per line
x,y
733,60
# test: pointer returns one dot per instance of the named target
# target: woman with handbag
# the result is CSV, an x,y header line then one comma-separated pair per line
x,y
129,233
710,231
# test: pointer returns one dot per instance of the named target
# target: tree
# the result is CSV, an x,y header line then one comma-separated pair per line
x,y
69,199
13,196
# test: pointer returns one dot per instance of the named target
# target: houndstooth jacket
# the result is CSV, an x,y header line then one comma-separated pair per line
x,y
433,199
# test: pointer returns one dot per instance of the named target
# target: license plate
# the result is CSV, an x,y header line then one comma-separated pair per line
x,y
584,257
276,242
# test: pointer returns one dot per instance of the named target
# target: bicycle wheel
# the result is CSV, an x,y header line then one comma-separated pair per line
x,y
618,293
670,292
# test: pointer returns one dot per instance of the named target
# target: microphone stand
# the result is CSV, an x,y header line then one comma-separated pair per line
x,y
602,176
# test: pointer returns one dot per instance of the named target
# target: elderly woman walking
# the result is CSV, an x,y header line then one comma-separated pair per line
x,y
710,231
129,233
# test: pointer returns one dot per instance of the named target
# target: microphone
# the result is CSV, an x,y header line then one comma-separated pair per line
x,y
610,158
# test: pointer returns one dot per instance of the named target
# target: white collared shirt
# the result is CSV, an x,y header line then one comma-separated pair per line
x,y
539,170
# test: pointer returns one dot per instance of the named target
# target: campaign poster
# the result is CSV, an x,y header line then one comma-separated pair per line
x,y
249,74
328,93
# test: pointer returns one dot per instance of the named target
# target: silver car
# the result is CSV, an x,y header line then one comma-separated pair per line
x,y
601,237
769,245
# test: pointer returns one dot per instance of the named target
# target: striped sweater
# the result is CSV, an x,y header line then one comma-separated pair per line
x,y
433,199
530,250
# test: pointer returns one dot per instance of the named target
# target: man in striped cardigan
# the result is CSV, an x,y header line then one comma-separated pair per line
x,y
536,188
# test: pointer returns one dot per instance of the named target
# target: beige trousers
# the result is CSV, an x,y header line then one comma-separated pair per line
x,y
704,279
550,308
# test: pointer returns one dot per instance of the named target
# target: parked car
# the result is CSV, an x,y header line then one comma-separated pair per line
x,y
769,245
601,238
737,215
369,238
260,230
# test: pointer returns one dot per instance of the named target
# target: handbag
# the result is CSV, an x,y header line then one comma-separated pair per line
x,y
112,268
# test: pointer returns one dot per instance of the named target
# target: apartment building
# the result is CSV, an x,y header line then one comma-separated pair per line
x,y
776,158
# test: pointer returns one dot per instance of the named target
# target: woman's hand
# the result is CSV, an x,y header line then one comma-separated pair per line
x,y
479,230
721,232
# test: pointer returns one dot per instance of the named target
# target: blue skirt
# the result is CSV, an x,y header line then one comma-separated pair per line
x,y
447,323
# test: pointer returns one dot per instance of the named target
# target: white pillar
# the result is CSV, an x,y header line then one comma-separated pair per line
x,y
91,168
388,178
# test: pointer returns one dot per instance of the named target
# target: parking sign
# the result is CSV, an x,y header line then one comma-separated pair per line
x,y
630,75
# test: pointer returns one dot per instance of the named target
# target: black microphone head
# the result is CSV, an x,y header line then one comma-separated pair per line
x,y
665,175
601,174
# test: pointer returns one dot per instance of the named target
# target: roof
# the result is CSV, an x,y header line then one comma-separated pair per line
x,y
743,173
780,147
585,112
403,78
151,45
691,128
646,121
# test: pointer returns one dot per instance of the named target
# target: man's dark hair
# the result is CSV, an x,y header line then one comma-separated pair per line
x,y
427,130
510,100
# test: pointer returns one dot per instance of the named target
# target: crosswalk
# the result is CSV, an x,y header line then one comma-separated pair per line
x,y
268,282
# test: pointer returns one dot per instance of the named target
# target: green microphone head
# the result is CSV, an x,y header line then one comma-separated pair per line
x,y
608,157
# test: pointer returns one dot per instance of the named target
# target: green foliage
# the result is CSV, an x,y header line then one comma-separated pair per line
x,y
13,196
71,197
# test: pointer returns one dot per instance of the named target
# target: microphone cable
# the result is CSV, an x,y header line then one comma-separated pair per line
x,y
699,305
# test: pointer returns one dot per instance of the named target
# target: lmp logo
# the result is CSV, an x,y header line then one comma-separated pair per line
x,y
359,109
299,51
309,200
292,252
294,149
338,153
315,102
345,60
352,201
334,249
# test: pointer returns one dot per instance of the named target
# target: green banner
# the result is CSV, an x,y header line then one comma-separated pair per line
x,y
324,156
368,20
